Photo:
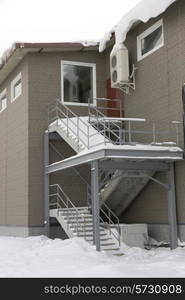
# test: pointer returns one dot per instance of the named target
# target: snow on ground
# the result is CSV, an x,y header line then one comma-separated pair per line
x,y
43,257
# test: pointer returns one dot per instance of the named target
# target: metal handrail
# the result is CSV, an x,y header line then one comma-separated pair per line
x,y
96,100
58,110
108,224
99,113
100,122
111,232
78,214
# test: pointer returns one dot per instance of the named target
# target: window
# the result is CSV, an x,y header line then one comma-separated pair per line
x,y
16,87
150,40
78,82
3,100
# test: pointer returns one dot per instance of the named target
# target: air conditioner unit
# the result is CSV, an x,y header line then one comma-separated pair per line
x,y
119,68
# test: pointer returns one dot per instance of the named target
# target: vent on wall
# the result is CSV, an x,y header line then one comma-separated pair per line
x,y
119,69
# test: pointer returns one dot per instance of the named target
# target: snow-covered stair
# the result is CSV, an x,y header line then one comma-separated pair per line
x,y
81,224
78,133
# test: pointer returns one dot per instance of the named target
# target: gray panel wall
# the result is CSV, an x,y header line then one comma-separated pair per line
x,y
14,154
44,88
159,80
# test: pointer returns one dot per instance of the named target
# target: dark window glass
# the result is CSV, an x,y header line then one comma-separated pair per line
x,y
151,41
78,83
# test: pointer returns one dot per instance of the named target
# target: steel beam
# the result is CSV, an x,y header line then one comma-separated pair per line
x,y
136,154
115,153
46,183
95,203
166,186
76,160
172,208
128,165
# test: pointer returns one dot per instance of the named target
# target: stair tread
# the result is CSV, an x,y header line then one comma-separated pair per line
x,y
89,235
111,249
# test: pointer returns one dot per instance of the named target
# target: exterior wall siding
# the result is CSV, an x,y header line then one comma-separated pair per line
x,y
158,98
44,88
14,153
159,79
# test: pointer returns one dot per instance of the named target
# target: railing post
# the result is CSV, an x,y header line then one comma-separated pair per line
x,y
67,213
84,227
77,223
109,131
154,133
129,132
172,215
89,110
57,193
78,133
46,183
67,114
104,133
95,203
88,141
177,123
120,108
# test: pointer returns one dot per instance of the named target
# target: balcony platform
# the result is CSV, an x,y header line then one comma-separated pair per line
x,y
135,153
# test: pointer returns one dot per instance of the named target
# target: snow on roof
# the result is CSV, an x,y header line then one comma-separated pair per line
x,y
143,11
7,53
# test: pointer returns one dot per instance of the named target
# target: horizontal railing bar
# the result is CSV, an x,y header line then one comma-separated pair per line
x,y
108,108
105,99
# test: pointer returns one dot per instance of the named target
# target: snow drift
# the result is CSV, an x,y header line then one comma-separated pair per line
x,y
43,257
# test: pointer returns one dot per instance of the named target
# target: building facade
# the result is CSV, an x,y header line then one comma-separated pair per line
x,y
35,75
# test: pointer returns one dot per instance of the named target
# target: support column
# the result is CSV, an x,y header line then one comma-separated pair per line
x,y
172,208
46,183
95,203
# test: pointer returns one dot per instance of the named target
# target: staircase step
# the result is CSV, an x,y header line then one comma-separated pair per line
x,y
108,244
87,225
102,239
73,209
82,222
90,235
111,249
87,230
80,217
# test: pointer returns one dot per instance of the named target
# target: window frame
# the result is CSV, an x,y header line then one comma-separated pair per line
x,y
2,94
82,64
13,83
144,35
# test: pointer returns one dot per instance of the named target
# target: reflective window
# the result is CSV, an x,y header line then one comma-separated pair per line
x,y
150,40
78,85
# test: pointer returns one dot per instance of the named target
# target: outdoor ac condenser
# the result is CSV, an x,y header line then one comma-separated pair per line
x,y
119,67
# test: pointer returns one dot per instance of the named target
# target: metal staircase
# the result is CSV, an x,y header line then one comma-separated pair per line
x,y
120,168
85,133
78,221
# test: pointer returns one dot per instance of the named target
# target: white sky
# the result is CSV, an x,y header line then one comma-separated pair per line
x,y
58,20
